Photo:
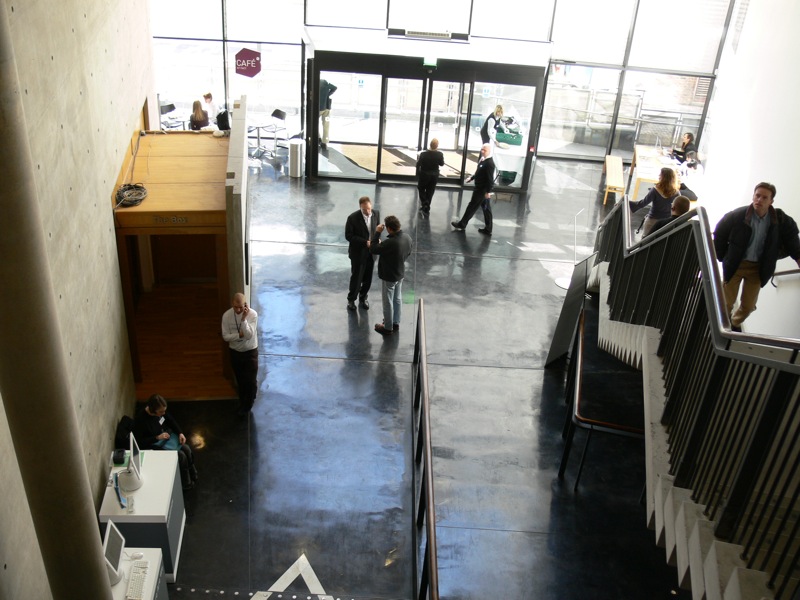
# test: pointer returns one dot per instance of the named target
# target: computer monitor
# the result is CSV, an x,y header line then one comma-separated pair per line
x,y
131,479
113,550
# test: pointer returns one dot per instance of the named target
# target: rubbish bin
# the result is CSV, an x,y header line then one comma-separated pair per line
x,y
296,157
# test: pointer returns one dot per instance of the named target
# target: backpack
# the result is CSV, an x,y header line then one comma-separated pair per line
x,y
123,433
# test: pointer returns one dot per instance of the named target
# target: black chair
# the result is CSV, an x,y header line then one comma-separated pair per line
x,y
277,126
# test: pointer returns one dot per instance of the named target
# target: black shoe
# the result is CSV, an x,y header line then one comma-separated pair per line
x,y
484,231
736,328
193,474
351,305
364,303
456,225
396,327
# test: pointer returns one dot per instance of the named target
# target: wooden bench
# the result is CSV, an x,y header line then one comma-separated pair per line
x,y
615,182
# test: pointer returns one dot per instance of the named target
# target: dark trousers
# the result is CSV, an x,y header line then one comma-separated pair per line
x,y
245,367
360,276
474,202
427,186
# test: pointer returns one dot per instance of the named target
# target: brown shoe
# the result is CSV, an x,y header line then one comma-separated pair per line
x,y
382,330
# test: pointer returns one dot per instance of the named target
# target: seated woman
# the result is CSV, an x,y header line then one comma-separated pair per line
x,y
155,429
659,198
687,146
199,118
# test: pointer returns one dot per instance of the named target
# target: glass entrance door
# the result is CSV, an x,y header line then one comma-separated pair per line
x,y
447,120
403,111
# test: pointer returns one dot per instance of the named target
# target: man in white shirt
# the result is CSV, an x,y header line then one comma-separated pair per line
x,y
240,330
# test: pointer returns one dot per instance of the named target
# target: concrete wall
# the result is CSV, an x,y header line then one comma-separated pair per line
x,y
754,131
85,72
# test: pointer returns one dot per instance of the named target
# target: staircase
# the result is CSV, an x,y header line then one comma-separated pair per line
x,y
722,413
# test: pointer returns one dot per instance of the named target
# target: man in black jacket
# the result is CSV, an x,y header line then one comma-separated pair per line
x,y
749,241
358,230
482,196
394,251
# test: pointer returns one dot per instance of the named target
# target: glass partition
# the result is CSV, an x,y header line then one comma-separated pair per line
x,y
578,109
354,126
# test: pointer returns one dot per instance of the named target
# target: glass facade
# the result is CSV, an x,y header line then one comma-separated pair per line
x,y
665,52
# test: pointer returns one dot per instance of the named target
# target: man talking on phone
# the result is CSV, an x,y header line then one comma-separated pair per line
x,y
240,330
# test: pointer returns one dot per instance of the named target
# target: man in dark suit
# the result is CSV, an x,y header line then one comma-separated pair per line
x,y
358,230
482,196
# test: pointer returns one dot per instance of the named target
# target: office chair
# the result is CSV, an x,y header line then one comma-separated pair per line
x,y
278,125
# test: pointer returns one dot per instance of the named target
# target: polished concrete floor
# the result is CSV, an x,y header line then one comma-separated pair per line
x,y
311,494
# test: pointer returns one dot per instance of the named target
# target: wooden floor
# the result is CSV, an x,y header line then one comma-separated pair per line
x,y
181,351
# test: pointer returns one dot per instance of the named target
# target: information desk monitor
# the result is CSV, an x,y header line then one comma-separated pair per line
x,y
131,479
113,550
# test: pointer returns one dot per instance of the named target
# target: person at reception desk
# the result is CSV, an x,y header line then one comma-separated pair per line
x,y
686,146
749,241
198,118
155,429
659,199
492,123
240,330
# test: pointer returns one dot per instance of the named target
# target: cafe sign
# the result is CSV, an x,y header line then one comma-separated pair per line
x,y
248,62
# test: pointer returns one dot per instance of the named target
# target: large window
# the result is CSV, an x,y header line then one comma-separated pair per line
x,y
599,35
424,15
184,71
512,19
679,35
662,108
579,106
346,13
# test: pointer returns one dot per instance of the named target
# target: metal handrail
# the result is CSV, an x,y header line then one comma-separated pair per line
x,y
426,576
782,274
732,410
726,341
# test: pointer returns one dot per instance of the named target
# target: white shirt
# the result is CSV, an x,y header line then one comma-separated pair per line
x,y
367,219
232,324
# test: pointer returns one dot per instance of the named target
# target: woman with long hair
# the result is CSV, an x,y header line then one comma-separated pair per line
x,y
199,118
659,198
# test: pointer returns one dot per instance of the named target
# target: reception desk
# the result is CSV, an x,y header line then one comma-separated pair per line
x,y
158,516
647,163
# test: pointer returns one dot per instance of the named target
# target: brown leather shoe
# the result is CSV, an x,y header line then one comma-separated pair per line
x,y
382,330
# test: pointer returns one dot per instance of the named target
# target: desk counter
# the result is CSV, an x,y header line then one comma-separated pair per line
x,y
158,516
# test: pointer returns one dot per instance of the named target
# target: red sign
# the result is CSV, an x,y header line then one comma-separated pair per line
x,y
248,62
